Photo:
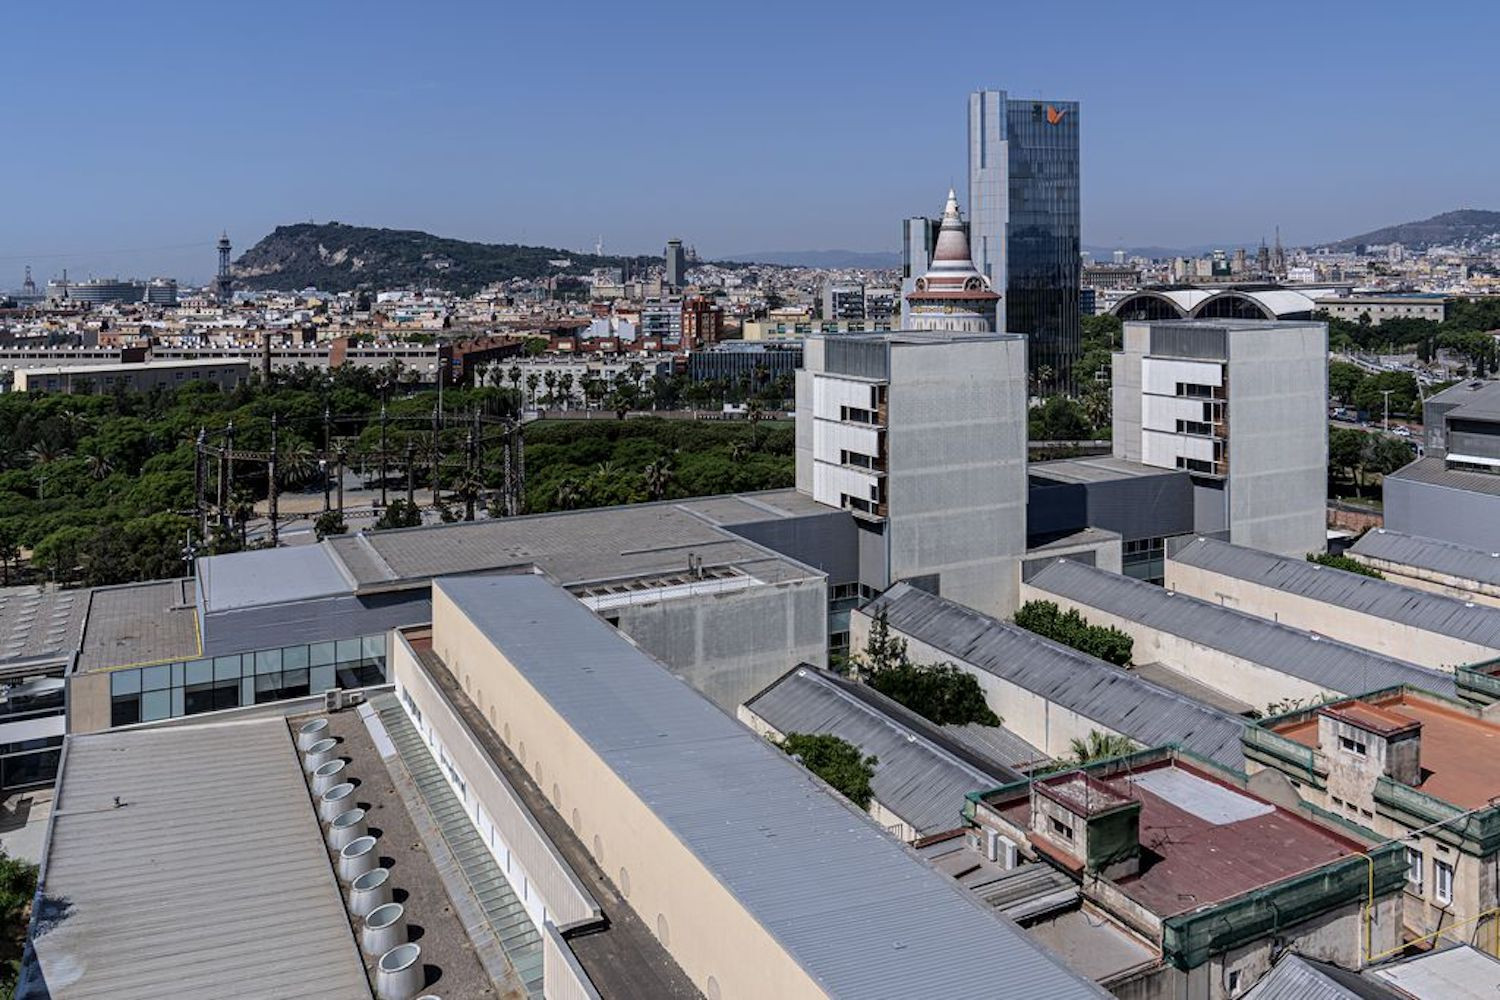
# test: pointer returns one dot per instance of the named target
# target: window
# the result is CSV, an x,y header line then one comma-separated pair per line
x,y
1414,866
1442,882
1194,427
1349,745
1061,829
1234,981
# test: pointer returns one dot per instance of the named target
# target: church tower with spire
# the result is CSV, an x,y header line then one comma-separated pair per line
x,y
953,295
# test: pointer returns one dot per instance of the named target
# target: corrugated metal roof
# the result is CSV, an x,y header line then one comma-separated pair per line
x,y
269,576
1432,554
915,778
1462,972
1420,609
40,623
999,744
1433,471
209,878
1116,699
799,861
1298,978
1332,665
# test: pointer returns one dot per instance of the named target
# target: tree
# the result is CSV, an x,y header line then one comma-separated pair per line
x,y
17,892
331,522
1368,396
1058,419
1346,452
659,476
1099,746
882,650
1343,380
939,692
567,495
836,761
10,553
1345,563
399,514
532,381
1045,618
513,373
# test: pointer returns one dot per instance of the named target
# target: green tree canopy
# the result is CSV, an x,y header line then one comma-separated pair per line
x,y
1069,628
836,761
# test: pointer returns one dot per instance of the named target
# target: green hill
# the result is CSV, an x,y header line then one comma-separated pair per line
x,y
1467,226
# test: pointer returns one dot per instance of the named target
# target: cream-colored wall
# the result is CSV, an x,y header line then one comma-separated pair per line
x,y
1252,683
1368,631
709,934
1437,583
1046,726
88,702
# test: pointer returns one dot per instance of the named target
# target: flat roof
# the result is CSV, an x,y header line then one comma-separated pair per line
x,y
136,366
573,547
1448,558
138,624
797,859
188,860
1433,471
1209,841
915,777
1462,393
1459,750
1336,666
1462,972
1419,609
269,576
1117,699
1098,469
40,624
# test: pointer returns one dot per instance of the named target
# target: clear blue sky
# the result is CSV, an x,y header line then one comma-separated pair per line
x,y
146,127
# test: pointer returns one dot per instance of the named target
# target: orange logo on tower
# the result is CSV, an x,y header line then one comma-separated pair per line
x,y
1054,116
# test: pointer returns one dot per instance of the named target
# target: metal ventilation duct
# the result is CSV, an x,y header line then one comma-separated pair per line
x,y
338,799
327,775
398,974
385,927
319,754
346,826
370,890
357,857
311,732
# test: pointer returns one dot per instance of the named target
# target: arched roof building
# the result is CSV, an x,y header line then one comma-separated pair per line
x,y
1231,302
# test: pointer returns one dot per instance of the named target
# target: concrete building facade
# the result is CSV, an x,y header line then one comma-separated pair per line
x,y
1241,406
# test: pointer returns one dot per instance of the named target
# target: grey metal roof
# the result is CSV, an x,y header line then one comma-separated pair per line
x,y
1462,972
799,861
1116,699
269,576
1432,471
210,878
1479,565
1298,978
915,778
140,623
1420,609
40,623
1096,469
1334,666
314,620
1000,744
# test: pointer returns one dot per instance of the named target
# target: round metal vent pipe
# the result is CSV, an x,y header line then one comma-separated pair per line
x,y
357,857
398,974
311,732
319,754
346,826
339,798
327,775
385,927
370,890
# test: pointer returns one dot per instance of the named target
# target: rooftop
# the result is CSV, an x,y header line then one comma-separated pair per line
x,y
916,777
39,624
795,858
1483,395
1448,558
1419,609
1098,469
1433,471
138,624
144,853
1204,841
1117,699
1459,749
1462,972
1332,665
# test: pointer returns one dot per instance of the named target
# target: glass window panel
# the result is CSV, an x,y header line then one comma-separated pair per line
x,y
198,698
156,705
247,691
177,709
268,661
348,651
125,711
157,678
226,668
294,657
199,672
125,682
374,647
266,682
320,653
321,678
178,671
294,684
227,695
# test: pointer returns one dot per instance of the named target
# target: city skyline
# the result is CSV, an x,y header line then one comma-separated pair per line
x,y
553,130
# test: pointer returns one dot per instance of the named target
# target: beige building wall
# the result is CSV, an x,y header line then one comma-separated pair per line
x,y
1356,628
718,944
1252,683
1432,581
88,702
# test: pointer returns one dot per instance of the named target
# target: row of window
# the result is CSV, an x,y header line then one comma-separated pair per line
x,y
855,415
1442,876
169,690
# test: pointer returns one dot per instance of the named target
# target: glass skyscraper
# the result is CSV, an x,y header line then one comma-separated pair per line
x,y
1024,222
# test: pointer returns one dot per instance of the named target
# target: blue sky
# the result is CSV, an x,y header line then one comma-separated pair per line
x,y
136,131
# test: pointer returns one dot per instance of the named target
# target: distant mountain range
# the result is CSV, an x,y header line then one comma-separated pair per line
x,y
1466,227
868,260
336,258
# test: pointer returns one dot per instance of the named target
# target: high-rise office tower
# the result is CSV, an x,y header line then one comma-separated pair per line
x,y
676,260
1024,223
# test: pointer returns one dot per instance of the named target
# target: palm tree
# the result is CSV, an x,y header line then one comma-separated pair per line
x,y
99,466
738,450
566,385
514,374
295,466
567,495
551,379
756,412
1099,746
532,381
659,475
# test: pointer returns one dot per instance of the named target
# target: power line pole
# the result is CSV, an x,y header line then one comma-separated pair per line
x,y
1385,423
271,495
